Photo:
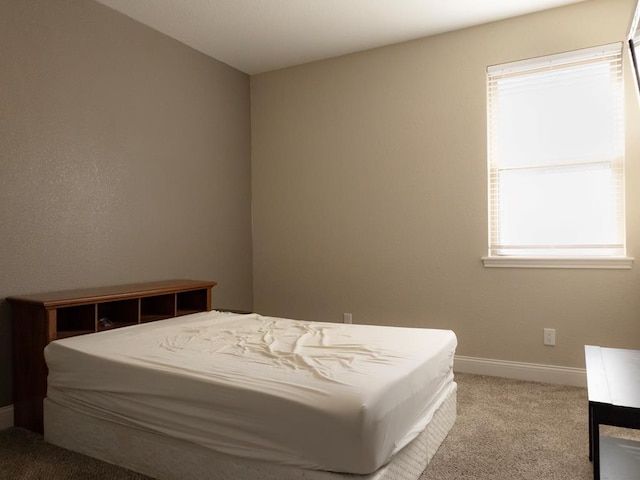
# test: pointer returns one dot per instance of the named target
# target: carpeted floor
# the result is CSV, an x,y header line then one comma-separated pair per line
x,y
510,429
505,430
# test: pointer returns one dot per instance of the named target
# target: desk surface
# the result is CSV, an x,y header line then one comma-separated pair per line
x,y
613,376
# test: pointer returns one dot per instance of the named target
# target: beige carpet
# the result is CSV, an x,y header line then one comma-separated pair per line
x,y
506,430
510,429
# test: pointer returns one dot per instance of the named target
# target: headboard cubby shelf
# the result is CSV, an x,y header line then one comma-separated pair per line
x,y
42,318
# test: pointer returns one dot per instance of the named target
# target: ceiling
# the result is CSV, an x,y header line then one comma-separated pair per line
x,y
256,36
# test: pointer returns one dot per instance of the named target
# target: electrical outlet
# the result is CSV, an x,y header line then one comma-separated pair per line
x,y
550,336
347,318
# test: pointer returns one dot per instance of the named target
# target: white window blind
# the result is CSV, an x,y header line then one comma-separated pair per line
x,y
555,149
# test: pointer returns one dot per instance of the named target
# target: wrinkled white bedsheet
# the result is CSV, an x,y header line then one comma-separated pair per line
x,y
315,395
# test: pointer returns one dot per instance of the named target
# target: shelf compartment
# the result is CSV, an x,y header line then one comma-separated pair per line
x,y
75,320
619,459
72,333
192,301
157,307
120,313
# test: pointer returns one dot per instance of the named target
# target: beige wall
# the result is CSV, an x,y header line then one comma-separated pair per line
x,y
370,187
125,156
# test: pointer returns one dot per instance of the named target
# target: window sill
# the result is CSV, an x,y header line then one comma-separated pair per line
x,y
620,263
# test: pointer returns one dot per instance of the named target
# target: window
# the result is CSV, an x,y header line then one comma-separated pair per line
x,y
556,159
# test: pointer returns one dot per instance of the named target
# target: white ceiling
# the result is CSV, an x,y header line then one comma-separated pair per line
x,y
256,36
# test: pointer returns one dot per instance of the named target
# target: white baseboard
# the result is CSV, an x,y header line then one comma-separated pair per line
x,y
6,417
522,371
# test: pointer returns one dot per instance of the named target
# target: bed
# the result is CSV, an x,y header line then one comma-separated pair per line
x,y
249,396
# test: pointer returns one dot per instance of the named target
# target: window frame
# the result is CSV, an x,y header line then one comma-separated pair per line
x,y
494,259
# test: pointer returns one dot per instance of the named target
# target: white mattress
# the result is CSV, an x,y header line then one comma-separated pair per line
x,y
312,395
166,458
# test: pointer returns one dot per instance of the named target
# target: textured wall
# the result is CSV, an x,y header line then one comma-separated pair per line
x,y
370,195
125,156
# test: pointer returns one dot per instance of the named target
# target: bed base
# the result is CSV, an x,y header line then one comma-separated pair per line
x,y
168,458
